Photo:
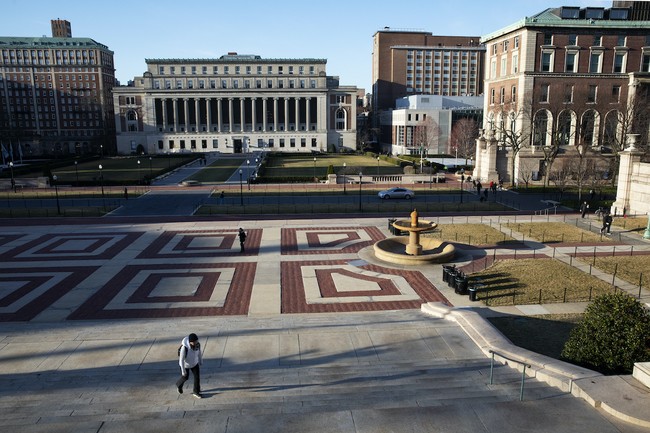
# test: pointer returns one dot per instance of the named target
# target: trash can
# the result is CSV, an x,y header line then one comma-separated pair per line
x,y
446,272
461,284
473,293
390,225
451,281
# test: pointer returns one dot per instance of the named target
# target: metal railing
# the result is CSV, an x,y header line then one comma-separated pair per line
x,y
523,372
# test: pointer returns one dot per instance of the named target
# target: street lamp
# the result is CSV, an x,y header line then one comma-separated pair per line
x,y
360,182
56,193
150,171
13,181
377,165
241,188
101,150
101,182
139,176
462,179
248,173
76,170
345,166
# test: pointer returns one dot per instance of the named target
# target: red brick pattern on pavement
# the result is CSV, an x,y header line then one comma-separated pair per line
x,y
43,286
295,301
346,234
180,244
236,301
53,247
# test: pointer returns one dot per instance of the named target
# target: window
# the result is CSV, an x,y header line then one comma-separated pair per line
x,y
513,94
503,66
571,64
547,58
573,40
548,39
619,63
568,93
516,42
515,63
237,70
621,41
226,70
215,143
616,93
492,93
591,96
502,97
598,39
493,69
645,63
594,63
543,96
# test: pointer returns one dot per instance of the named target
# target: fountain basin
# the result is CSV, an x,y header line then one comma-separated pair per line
x,y
394,250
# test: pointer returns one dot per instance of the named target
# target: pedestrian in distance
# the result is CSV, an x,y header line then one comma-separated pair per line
x,y
608,222
190,358
584,208
222,196
242,239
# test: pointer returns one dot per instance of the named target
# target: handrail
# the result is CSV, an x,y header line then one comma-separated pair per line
x,y
523,373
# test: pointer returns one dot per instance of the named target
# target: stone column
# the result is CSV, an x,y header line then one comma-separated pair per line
x,y
186,106
219,115
253,114
230,119
208,117
286,114
297,117
175,103
264,108
307,113
164,113
629,157
275,114
197,115
242,114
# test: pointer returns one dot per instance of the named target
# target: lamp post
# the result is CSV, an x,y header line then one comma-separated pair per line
x,y
377,165
150,170
13,181
360,182
241,188
101,150
462,179
345,166
56,193
314,169
76,171
139,176
248,173
101,183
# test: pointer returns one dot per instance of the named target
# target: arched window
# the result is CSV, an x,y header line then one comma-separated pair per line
x,y
340,119
588,127
540,127
611,132
564,128
131,116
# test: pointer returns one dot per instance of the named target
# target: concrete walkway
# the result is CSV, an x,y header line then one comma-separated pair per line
x,y
304,331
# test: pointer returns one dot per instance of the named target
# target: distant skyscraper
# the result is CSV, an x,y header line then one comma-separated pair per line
x,y
61,29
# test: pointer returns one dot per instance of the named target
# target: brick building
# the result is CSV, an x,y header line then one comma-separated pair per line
x,y
235,104
559,82
55,94
408,63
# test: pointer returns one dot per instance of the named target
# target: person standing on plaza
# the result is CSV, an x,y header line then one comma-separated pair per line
x,y
584,208
190,358
242,239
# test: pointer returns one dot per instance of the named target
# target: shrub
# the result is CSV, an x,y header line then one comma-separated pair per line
x,y
613,335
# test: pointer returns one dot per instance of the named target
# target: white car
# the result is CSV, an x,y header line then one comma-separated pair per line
x,y
396,193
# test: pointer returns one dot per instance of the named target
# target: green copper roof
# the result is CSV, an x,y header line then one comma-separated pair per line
x,y
45,42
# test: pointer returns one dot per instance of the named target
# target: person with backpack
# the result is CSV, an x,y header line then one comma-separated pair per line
x,y
190,358
242,239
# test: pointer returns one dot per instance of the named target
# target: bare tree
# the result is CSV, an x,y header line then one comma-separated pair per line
x,y
426,137
463,137
513,127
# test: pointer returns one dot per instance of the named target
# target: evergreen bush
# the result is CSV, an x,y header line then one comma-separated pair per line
x,y
613,335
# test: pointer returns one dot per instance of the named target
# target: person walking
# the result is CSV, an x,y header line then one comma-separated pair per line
x,y
222,197
190,358
242,239
584,208
608,222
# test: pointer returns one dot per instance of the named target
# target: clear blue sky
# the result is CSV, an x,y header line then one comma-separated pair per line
x,y
339,31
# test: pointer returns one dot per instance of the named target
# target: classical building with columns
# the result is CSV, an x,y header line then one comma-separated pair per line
x,y
235,104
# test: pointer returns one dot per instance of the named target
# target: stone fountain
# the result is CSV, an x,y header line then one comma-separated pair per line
x,y
413,250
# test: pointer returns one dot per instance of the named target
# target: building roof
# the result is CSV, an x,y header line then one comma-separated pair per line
x,y
236,59
46,42
571,17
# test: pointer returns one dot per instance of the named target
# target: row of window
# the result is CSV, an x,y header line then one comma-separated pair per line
x,y
235,84
236,69
261,143
619,64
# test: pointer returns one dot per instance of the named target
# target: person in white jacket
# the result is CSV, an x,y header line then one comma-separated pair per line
x,y
190,358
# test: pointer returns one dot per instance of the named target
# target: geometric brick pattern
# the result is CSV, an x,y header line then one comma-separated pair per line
x,y
343,286
328,240
202,243
172,290
25,292
71,246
